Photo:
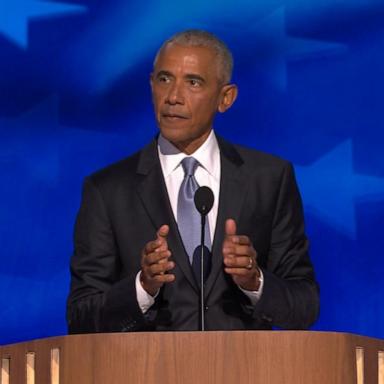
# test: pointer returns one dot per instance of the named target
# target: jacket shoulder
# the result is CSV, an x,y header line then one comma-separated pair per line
x,y
255,159
122,170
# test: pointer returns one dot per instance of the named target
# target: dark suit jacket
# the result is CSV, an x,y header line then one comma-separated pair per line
x,y
124,205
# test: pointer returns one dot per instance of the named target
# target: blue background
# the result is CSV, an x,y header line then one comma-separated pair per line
x,y
74,96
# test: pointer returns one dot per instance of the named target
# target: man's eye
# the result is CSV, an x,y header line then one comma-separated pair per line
x,y
163,79
195,83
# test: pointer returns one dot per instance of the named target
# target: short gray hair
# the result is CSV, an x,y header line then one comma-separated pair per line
x,y
200,38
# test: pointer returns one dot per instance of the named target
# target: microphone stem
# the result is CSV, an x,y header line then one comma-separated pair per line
x,y
202,305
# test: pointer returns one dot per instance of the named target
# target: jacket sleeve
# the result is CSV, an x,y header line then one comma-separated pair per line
x,y
290,296
100,299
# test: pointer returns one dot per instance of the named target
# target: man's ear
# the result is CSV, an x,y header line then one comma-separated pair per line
x,y
228,97
151,80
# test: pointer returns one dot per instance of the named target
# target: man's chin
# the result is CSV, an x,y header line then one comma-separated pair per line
x,y
182,139
174,136
175,125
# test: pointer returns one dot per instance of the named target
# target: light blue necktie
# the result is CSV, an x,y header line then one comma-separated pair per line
x,y
189,219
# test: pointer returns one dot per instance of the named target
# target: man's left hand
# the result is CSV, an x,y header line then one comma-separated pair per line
x,y
240,258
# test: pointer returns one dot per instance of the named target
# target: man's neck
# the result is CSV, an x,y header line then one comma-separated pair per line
x,y
191,146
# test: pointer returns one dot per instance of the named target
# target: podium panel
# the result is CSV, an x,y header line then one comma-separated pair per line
x,y
231,357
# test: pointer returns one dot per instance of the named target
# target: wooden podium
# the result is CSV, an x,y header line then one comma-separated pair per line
x,y
235,357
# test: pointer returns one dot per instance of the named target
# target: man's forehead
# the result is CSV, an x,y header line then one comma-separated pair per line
x,y
192,54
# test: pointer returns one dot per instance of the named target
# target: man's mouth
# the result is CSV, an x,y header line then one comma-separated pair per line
x,y
173,116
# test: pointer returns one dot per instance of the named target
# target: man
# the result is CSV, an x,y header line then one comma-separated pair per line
x,y
132,267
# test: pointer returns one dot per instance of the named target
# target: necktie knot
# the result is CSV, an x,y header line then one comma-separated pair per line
x,y
189,165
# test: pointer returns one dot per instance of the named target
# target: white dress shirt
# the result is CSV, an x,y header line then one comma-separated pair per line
x,y
206,174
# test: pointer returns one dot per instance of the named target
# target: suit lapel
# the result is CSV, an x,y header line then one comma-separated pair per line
x,y
233,188
152,191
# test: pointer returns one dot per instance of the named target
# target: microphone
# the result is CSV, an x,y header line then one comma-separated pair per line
x,y
203,202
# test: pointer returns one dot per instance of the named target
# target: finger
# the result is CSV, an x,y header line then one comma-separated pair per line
x,y
162,234
238,251
238,271
230,227
244,250
230,231
228,247
162,247
160,243
159,269
238,262
242,240
166,278
156,257
227,244
151,246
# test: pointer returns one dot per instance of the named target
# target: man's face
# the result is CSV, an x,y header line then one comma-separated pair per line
x,y
187,94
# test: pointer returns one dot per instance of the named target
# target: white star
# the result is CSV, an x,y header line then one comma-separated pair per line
x,y
331,188
16,14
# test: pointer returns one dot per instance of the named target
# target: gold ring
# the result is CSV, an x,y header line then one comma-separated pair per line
x,y
250,264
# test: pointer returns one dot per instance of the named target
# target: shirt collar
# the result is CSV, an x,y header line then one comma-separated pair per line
x,y
208,155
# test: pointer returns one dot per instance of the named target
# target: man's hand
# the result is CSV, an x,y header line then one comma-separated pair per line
x,y
155,263
240,258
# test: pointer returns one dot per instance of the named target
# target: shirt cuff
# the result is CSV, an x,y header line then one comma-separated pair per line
x,y
254,296
144,299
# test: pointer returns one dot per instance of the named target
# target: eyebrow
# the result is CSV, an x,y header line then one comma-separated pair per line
x,y
192,76
189,76
163,73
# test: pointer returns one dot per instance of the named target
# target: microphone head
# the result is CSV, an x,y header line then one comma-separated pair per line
x,y
204,200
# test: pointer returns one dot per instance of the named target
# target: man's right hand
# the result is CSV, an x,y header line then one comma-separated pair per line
x,y
155,263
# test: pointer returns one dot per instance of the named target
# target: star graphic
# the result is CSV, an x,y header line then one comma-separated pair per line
x,y
331,188
35,144
16,14
273,48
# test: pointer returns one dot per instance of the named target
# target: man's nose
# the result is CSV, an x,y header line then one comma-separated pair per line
x,y
175,94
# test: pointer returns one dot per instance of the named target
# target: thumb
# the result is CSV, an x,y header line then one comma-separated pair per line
x,y
162,231
230,227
